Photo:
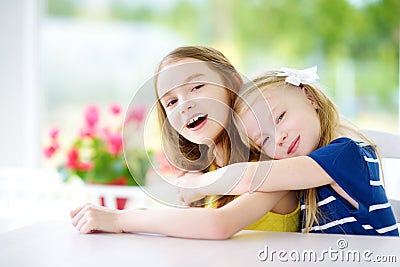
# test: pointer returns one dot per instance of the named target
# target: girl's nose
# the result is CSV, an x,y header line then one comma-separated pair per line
x,y
189,104
281,137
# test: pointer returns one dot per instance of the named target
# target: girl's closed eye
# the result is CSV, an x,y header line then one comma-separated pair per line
x,y
261,141
197,87
280,117
264,141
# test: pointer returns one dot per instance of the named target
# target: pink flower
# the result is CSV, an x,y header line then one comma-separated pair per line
x,y
49,151
92,119
115,109
74,163
92,116
87,132
136,114
85,166
54,133
72,158
53,147
114,143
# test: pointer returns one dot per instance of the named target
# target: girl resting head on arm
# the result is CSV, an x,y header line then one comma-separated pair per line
x,y
291,120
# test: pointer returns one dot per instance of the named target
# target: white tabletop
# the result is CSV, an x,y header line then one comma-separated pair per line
x,y
59,244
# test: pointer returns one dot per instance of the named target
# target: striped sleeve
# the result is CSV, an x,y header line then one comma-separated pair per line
x,y
344,163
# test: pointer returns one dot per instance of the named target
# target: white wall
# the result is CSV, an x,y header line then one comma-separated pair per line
x,y
19,90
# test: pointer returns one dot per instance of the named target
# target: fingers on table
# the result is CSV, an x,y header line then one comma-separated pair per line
x,y
82,218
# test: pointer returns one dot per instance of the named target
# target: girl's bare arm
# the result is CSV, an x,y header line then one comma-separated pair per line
x,y
197,223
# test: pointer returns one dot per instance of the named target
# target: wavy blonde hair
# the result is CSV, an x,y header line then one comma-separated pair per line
x,y
196,155
331,126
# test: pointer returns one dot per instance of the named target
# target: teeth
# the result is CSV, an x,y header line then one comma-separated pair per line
x,y
195,119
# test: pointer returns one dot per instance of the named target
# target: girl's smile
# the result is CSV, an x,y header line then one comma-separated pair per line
x,y
293,146
197,122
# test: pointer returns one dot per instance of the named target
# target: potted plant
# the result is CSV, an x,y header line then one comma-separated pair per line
x,y
96,154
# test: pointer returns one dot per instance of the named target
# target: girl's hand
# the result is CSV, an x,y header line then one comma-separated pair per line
x,y
189,187
90,219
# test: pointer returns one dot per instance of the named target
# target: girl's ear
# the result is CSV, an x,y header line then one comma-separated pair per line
x,y
310,97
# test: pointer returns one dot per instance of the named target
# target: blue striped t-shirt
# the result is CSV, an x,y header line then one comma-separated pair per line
x,y
355,168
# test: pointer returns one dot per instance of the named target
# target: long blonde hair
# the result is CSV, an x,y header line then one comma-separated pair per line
x,y
195,155
331,126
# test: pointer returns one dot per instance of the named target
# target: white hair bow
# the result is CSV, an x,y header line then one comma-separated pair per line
x,y
297,77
